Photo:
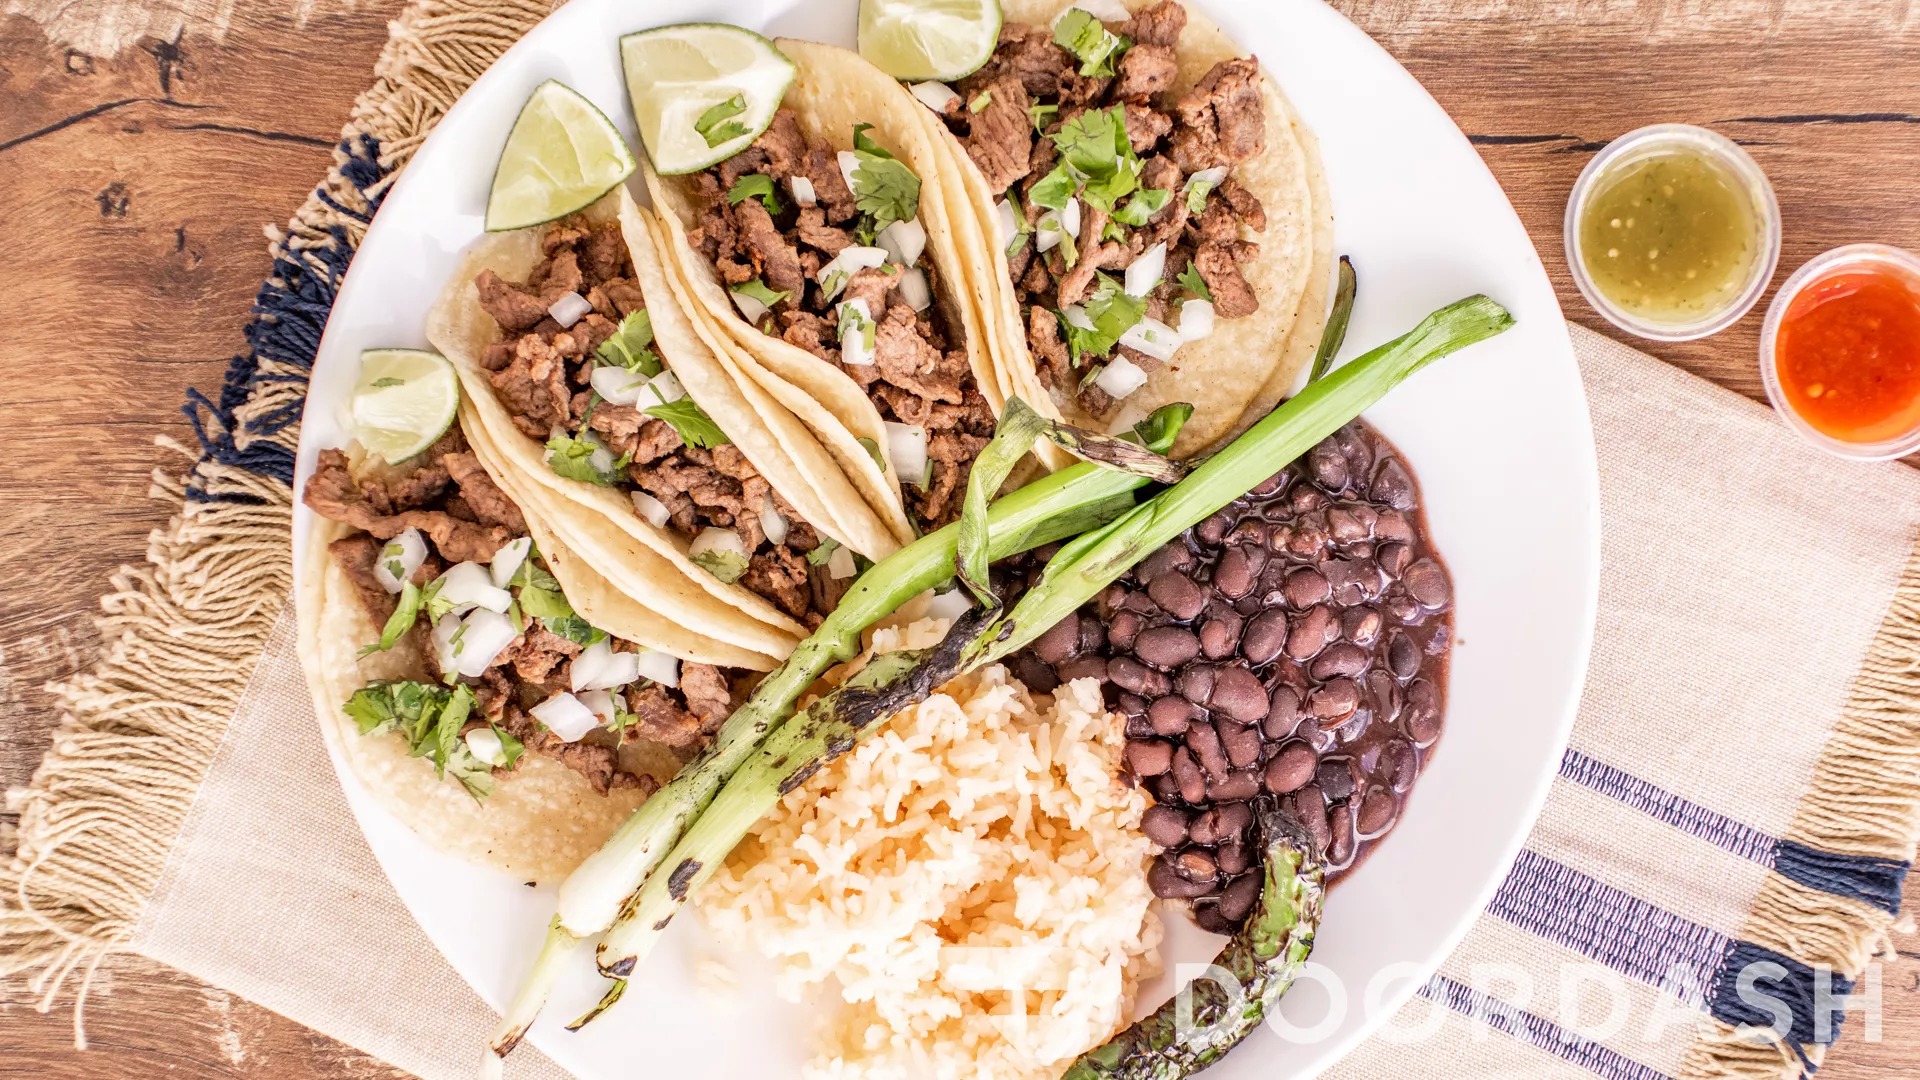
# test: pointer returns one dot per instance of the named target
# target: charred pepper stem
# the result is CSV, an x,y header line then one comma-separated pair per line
x,y
1214,1013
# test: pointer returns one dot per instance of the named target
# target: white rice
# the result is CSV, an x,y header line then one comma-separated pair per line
x,y
970,879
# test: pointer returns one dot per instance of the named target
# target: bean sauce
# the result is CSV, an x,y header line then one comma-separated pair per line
x,y
1296,644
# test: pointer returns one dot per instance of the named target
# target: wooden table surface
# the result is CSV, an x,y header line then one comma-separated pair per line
x,y
144,144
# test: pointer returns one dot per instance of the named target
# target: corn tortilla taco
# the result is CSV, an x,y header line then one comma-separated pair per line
x,y
1148,215
823,253
487,686
639,446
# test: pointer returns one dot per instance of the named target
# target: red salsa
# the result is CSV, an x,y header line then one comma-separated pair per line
x,y
1847,354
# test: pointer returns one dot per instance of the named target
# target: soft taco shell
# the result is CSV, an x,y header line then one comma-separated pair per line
x,y
1228,373
601,523
833,90
540,821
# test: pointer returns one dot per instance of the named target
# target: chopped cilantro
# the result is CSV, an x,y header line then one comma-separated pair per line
x,y
758,290
1111,313
510,747
1042,115
630,347
1096,47
1019,241
728,566
823,550
429,717
1145,203
853,322
574,629
573,458
873,451
1191,281
884,189
695,427
1094,146
413,600
755,186
1055,189
1197,191
717,125
980,102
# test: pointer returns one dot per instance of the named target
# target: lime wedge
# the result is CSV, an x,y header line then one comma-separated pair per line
x,y
916,40
404,400
561,156
702,92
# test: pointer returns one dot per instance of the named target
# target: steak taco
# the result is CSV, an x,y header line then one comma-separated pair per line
x,y
823,254
482,682
690,488
1146,212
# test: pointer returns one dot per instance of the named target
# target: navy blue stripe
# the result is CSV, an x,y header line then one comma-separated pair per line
x,y
1538,1031
1662,805
1874,881
1790,983
1633,937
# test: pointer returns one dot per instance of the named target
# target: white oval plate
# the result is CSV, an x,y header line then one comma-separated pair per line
x,y
1499,437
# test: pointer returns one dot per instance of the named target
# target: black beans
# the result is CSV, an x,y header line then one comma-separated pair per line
x,y
1166,647
1293,645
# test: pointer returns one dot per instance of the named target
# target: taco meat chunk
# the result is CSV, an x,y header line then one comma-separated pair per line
x,y
786,231
445,502
1099,159
653,439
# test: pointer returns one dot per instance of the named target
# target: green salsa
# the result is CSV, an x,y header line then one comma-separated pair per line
x,y
1670,237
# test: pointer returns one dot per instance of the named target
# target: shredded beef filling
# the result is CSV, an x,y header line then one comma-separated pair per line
x,y
1007,115
465,517
542,373
920,372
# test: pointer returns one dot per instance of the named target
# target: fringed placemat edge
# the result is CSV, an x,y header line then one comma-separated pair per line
x,y
1835,906
139,729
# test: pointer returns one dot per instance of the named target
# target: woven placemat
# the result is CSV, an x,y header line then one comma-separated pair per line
x,y
1764,814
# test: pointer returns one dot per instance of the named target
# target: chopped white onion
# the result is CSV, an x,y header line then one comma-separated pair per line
x,y
1105,10
469,585
398,560
663,668
849,161
1070,218
617,386
950,604
750,309
1147,270
1054,222
907,446
565,716
850,261
652,509
1210,177
772,522
840,564
1076,317
599,702
1196,319
602,460
1153,337
904,240
598,667
569,309
443,632
666,388
803,192
915,290
937,96
856,347
1120,378
483,635
725,541
485,744
1008,219
508,560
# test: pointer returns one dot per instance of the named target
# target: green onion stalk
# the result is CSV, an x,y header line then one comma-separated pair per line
x,y
1052,508
1216,1012
833,724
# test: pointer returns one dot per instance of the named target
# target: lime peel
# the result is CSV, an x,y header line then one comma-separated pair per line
x,y
403,401
562,156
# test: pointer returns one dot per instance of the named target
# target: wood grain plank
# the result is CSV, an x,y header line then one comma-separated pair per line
x,y
136,171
